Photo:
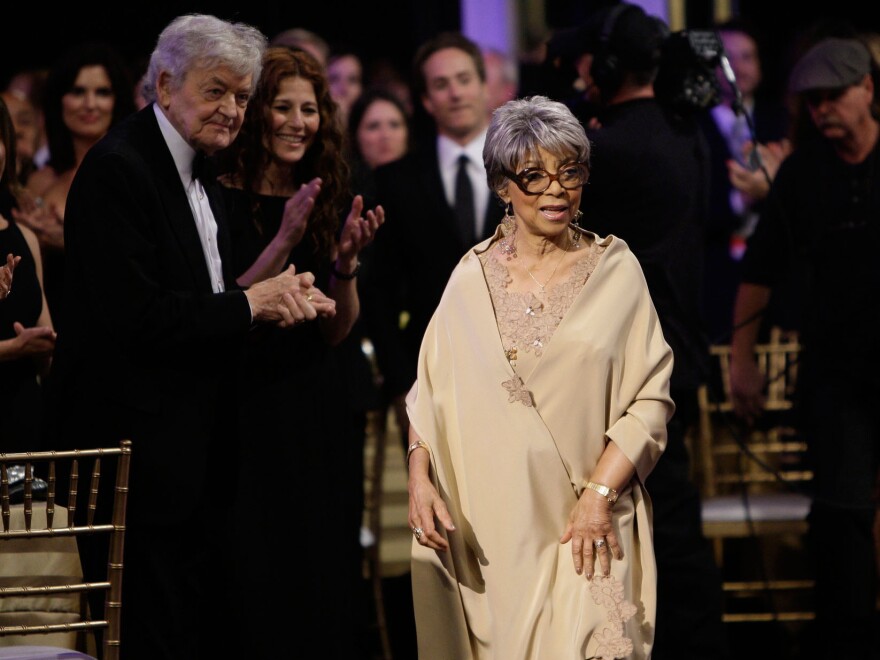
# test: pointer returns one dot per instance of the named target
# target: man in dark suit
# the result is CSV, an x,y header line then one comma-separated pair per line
x,y
425,235
155,324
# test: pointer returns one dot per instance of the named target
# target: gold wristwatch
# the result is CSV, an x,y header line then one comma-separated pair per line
x,y
604,491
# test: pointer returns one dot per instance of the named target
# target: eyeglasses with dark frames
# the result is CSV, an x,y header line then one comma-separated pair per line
x,y
536,180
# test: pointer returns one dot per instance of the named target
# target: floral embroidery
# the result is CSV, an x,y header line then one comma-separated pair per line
x,y
608,593
517,392
524,320
612,644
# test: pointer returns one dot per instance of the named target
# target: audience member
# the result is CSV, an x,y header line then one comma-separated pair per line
x,y
26,334
87,91
378,134
27,124
755,184
23,97
817,239
345,73
540,544
155,328
29,83
747,116
502,77
285,197
309,41
649,186
430,226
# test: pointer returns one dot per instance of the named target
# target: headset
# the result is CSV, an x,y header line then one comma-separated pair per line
x,y
605,69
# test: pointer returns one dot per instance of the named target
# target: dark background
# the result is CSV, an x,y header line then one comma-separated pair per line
x,y
34,34
37,35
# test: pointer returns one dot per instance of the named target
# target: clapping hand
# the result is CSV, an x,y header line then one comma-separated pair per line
x,y
46,222
38,341
297,210
288,299
358,231
6,275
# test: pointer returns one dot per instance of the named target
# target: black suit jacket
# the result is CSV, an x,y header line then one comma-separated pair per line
x,y
649,186
148,351
412,257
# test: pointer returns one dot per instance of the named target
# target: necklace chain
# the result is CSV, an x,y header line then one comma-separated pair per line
x,y
535,279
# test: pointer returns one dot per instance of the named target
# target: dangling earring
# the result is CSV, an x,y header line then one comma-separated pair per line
x,y
509,219
507,245
577,228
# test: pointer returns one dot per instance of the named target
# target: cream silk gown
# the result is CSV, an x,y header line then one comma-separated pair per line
x,y
512,446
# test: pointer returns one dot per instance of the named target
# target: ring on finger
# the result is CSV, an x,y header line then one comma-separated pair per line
x,y
309,298
418,531
599,543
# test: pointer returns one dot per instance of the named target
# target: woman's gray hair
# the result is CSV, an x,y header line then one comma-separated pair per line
x,y
519,127
203,41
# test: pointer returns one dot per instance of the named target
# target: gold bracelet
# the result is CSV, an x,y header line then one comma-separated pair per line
x,y
413,447
604,491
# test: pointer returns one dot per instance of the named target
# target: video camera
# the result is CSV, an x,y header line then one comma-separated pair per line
x,y
686,78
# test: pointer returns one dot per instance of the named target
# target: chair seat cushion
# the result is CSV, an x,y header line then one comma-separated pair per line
x,y
41,653
765,507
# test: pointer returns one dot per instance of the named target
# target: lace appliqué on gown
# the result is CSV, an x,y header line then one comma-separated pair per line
x,y
527,322
517,392
608,592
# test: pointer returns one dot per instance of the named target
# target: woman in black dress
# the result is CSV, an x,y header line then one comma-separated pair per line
x,y
26,334
302,453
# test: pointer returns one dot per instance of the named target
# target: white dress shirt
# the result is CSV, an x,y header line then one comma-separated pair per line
x,y
206,224
448,153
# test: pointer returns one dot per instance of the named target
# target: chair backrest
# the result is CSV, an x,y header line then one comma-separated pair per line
x,y
38,512
771,455
755,485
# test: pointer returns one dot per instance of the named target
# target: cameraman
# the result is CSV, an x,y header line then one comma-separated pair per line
x,y
649,186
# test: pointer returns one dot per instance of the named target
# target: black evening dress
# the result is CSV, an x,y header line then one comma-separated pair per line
x,y
300,498
21,397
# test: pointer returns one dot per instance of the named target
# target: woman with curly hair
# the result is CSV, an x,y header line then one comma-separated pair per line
x,y
287,189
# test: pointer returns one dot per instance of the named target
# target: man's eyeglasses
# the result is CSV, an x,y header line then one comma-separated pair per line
x,y
535,180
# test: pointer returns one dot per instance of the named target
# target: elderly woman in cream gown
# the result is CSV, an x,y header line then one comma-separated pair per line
x,y
539,409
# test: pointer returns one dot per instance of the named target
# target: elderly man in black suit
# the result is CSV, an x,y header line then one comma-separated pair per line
x,y
156,323
437,204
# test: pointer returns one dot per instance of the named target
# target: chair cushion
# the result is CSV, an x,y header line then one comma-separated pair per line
x,y
49,561
41,653
765,507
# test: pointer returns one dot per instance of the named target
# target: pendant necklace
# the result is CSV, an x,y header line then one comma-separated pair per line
x,y
535,279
